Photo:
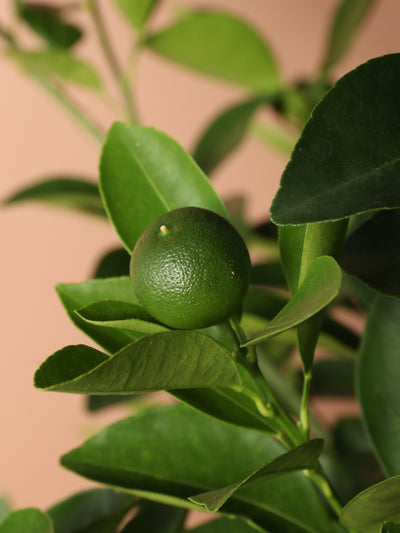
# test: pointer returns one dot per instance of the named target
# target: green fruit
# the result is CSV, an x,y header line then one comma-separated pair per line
x,y
190,269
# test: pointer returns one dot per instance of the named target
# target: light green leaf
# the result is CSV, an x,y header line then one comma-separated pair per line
x,y
347,159
368,510
58,64
300,458
91,511
157,455
64,192
320,286
144,174
4,509
162,361
377,381
219,45
137,12
348,18
29,519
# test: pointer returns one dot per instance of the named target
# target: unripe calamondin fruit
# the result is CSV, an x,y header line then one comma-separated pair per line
x,y
190,268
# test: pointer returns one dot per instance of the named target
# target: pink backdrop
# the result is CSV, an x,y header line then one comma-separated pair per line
x,y
43,246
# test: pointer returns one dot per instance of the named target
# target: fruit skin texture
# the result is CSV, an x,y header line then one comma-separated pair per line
x,y
190,268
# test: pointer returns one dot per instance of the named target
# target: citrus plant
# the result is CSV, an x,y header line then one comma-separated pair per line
x,y
237,345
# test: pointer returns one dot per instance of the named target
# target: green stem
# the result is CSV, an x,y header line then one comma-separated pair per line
x,y
304,405
122,81
319,479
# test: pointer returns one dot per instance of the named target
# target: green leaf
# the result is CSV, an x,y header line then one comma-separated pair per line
x,y
224,134
57,64
4,509
75,296
377,381
114,263
321,284
120,315
368,510
372,252
347,159
225,525
91,511
157,455
136,13
163,361
390,527
349,16
48,22
333,378
29,519
219,45
300,458
65,192
144,174
156,517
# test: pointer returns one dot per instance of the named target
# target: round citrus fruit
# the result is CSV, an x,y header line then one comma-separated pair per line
x,y
190,269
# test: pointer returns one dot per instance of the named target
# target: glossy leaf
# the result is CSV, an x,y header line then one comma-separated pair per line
x,y
64,192
347,158
156,517
348,18
157,455
136,13
300,458
163,361
378,375
219,45
144,174
120,315
91,511
368,510
225,525
75,296
29,519
48,22
320,286
224,134
59,65
372,252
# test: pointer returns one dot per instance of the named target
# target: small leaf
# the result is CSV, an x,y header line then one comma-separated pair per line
x,y
219,45
91,511
377,381
156,517
58,64
113,264
163,361
347,159
29,519
321,284
144,174
300,458
136,13
369,509
65,192
348,18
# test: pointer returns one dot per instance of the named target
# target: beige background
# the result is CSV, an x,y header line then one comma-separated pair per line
x,y
42,246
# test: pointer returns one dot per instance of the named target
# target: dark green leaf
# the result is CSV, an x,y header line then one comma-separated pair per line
x,y
224,525
320,286
372,252
156,517
57,64
75,296
144,174
368,510
120,315
157,455
378,376
300,458
28,519
219,45
137,12
333,378
390,527
112,264
348,18
98,402
224,134
270,274
163,361
91,511
348,158
65,192
48,22
350,437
